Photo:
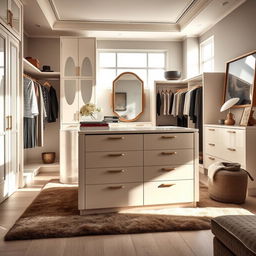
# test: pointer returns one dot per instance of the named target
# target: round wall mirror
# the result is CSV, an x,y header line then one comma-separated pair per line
x,y
128,97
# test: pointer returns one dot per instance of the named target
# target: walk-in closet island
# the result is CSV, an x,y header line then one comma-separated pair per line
x,y
131,167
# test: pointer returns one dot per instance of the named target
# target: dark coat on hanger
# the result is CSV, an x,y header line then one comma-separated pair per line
x,y
53,106
158,103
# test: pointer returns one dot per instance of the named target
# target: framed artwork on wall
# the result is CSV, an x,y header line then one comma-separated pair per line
x,y
246,116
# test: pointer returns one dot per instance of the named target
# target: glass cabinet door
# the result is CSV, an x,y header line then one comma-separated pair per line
x,y
86,92
69,57
87,48
3,10
16,16
12,102
69,110
3,116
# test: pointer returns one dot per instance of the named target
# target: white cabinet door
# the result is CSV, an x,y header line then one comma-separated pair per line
x,y
87,59
69,101
15,7
12,113
86,92
3,115
69,58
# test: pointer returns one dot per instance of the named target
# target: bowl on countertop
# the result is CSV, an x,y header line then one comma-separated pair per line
x,y
172,75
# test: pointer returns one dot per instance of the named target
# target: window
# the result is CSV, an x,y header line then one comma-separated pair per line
x,y
207,55
148,65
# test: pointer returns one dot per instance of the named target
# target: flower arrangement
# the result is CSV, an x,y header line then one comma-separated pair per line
x,y
89,109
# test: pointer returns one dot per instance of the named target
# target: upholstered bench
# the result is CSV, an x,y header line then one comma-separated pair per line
x,y
234,235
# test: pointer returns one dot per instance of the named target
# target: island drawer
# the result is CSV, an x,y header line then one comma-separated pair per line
x,y
113,195
168,172
113,159
167,192
113,142
168,141
113,175
168,157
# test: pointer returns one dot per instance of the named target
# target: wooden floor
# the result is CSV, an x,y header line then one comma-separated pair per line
x,y
185,243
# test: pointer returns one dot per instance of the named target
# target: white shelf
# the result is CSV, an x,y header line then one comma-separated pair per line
x,y
36,73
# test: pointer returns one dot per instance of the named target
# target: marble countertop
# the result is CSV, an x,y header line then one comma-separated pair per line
x,y
152,129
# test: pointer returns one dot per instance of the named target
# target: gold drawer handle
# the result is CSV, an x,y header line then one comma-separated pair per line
x,y
116,138
231,149
116,154
116,187
211,144
168,137
165,185
115,171
168,153
211,158
211,130
231,131
167,169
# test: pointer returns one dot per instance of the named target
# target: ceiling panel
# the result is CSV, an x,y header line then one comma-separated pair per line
x,y
121,10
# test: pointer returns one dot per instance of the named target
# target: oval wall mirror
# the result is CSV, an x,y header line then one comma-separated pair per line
x,y
128,97
70,91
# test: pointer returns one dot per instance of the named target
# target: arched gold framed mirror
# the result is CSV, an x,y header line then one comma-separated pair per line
x,y
128,97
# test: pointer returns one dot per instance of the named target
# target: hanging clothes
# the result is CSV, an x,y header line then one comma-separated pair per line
x,y
53,106
158,103
198,113
164,103
171,102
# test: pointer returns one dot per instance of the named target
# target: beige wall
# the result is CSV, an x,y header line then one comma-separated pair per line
x,y
174,62
234,35
47,51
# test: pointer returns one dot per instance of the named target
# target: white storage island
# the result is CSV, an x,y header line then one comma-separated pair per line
x,y
134,167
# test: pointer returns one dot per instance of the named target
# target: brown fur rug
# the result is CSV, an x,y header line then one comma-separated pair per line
x,y
54,213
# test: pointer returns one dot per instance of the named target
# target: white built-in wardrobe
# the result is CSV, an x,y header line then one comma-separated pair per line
x,y
9,124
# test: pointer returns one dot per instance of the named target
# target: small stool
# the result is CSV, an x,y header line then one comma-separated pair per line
x,y
229,186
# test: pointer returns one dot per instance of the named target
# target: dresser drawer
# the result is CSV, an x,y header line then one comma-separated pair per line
x,y
168,157
168,141
113,159
113,175
113,195
212,148
211,134
167,192
209,159
113,142
168,172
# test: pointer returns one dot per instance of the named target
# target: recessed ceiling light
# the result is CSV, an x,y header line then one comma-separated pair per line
x,y
225,3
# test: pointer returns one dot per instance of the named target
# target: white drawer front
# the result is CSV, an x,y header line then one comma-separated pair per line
x,y
113,175
211,134
114,195
168,157
113,142
212,148
168,172
113,159
167,192
209,159
168,141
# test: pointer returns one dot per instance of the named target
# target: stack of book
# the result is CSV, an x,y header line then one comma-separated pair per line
x,y
111,119
93,125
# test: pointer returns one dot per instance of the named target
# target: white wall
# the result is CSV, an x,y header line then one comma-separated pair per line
x,y
190,57
174,62
234,35
47,51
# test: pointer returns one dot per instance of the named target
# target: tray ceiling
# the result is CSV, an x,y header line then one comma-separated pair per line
x,y
124,19
121,11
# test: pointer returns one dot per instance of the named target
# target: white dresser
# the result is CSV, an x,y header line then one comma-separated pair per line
x,y
231,144
130,167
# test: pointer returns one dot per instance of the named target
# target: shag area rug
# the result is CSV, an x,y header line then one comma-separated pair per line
x,y
54,214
